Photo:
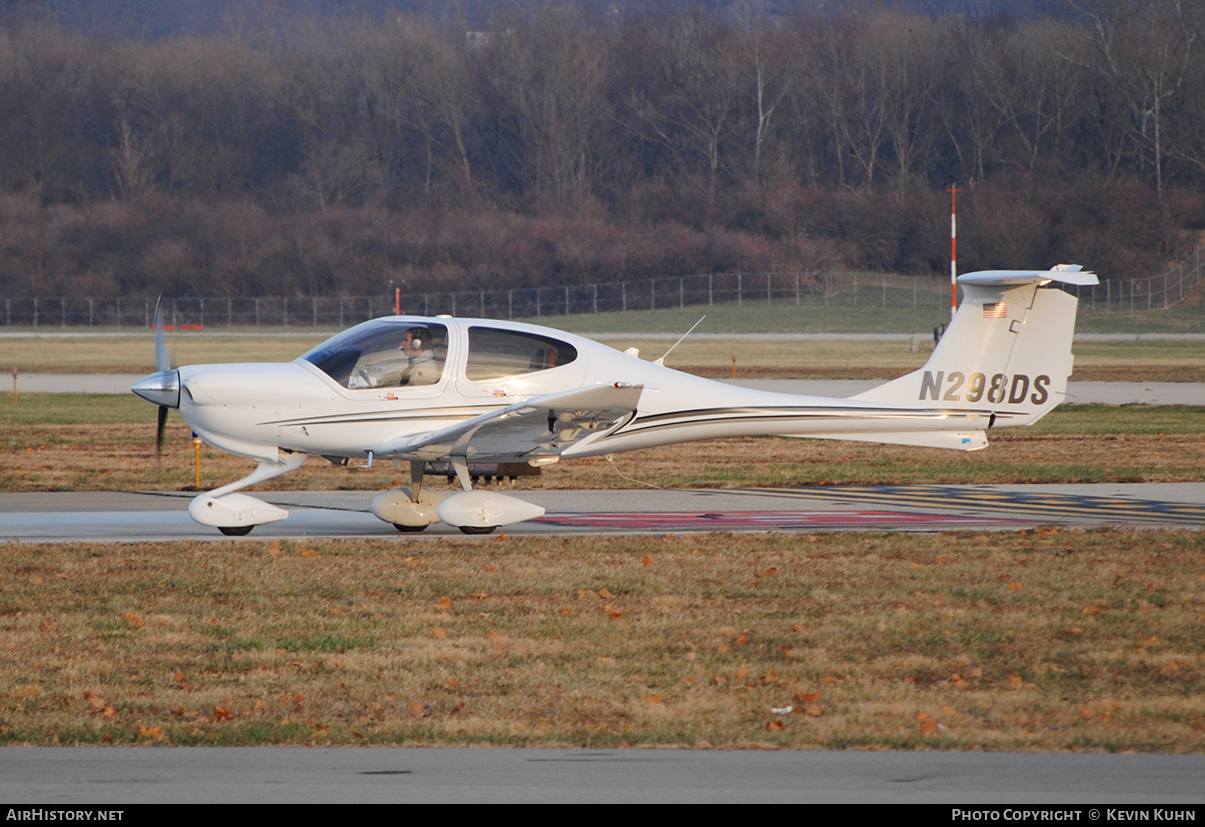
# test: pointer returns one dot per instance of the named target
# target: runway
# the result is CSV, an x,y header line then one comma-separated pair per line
x,y
65,517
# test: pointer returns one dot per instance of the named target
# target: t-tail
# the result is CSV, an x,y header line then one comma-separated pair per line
x,y
1006,356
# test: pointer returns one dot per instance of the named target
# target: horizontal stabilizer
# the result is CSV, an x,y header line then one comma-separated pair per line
x,y
1064,273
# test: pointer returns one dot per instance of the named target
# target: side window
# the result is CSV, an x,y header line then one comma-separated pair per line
x,y
384,355
494,353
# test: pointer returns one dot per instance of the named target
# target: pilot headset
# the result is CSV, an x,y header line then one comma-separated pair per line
x,y
418,337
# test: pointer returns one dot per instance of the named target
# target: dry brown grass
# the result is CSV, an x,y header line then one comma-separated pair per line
x,y
107,443
1039,641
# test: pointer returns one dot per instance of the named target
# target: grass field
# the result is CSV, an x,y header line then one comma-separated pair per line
x,y
1045,640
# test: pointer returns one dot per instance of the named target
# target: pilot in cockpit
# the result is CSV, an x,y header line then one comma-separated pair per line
x,y
417,360
423,368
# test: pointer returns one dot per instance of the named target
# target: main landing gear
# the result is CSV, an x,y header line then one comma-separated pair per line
x,y
473,512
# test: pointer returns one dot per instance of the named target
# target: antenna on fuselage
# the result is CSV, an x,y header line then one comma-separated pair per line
x,y
661,361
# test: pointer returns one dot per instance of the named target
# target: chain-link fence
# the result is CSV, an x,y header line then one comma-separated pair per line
x,y
813,290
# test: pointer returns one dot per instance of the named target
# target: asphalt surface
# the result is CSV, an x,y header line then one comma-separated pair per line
x,y
100,516
75,777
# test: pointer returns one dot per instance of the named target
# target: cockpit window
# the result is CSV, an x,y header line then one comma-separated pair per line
x,y
494,353
384,354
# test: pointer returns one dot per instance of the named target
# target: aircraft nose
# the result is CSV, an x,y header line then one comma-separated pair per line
x,y
162,388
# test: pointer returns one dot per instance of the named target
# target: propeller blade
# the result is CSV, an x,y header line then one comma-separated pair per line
x,y
163,360
160,429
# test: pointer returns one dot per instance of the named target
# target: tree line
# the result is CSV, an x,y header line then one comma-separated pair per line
x,y
566,144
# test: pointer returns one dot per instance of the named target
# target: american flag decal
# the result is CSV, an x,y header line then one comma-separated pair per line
x,y
995,310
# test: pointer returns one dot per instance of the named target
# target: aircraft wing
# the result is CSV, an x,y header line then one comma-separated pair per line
x,y
543,426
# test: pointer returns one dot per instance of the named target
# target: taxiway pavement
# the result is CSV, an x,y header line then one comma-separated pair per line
x,y
81,517
1086,783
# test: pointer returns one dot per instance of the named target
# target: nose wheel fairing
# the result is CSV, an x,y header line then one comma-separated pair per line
x,y
234,514
237,514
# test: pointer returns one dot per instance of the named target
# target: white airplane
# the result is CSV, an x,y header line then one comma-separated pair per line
x,y
447,393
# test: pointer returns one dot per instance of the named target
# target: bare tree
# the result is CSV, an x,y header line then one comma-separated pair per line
x,y
44,83
692,110
1147,49
550,75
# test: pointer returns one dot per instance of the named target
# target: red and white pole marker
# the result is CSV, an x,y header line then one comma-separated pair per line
x,y
953,190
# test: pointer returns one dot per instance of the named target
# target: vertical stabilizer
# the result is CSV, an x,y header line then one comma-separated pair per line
x,y
1007,353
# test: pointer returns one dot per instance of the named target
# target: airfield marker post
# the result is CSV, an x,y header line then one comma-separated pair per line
x,y
953,190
